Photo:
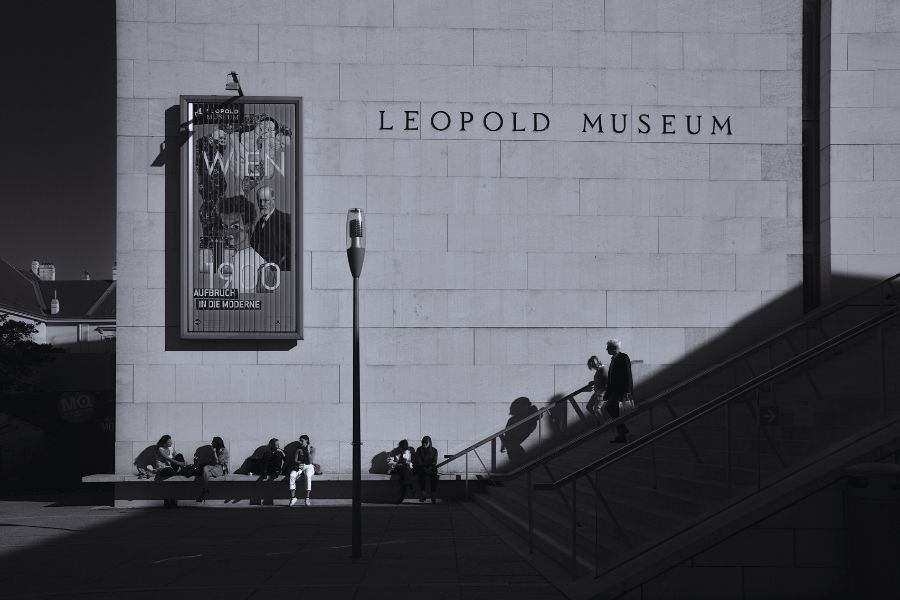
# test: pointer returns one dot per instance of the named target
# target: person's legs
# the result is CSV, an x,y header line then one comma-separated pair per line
x,y
204,483
612,408
402,477
292,485
308,472
593,403
164,473
433,479
421,476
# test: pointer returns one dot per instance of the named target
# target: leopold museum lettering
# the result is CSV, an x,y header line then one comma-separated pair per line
x,y
593,122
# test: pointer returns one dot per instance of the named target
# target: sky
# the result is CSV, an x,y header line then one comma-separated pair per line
x,y
58,152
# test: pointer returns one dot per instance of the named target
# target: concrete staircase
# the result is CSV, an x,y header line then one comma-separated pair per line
x,y
747,456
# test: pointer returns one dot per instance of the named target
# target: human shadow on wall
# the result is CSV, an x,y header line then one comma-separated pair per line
x,y
379,465
169,157
253,463
146,458
511,441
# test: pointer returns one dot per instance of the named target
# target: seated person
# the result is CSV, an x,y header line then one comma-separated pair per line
x,y
425,467
400,464
302,463
168,463
216,466
273,460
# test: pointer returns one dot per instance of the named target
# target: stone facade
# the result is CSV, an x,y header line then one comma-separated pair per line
x,y
498,262
861,136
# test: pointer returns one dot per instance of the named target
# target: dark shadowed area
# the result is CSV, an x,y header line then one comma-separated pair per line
x,y
58,153
436,551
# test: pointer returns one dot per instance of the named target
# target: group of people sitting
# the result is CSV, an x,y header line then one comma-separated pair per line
x,y
212,461
403,463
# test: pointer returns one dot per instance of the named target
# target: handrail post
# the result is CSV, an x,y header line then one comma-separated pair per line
x,y
597,524
653,448
467,476
882,369
574,531
494,455
758,443
728,443
530,513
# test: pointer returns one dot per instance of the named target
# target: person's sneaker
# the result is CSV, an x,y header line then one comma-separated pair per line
x,y
293,502
306,502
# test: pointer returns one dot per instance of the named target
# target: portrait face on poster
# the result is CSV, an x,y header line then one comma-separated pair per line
x,y
241,218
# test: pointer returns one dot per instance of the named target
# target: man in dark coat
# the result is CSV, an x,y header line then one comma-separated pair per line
x,y
271,236
619,386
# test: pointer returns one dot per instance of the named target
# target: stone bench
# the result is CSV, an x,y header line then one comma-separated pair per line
x,y
129,490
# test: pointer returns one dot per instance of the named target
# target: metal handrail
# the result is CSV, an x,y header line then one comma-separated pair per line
x,y
645,405
533,416
721,400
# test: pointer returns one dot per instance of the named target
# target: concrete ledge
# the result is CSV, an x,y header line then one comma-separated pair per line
x,y
132,478
376,488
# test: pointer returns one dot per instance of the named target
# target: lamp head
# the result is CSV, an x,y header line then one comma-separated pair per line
x,y
356,230
356,240
233,84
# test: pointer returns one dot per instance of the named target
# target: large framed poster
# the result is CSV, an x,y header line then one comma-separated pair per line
x,y
241,218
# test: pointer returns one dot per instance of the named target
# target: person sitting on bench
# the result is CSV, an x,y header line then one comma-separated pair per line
x,y
217,468
273,460
302,463
400,466
168,463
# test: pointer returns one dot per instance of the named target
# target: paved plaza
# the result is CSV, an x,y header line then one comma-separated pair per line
x,y
224,551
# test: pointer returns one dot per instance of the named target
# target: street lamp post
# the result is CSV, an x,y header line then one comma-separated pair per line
x,y
356,252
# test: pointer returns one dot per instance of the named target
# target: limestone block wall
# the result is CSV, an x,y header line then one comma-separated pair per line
x,y
497,261
862,150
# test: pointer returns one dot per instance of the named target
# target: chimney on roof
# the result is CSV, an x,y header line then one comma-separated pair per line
x,y
85,276
115,267
44,271
54,304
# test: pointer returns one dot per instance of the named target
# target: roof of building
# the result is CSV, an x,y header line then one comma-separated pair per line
x,y
22,291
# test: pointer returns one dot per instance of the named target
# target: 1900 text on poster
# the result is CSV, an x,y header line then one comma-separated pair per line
x,y
241,218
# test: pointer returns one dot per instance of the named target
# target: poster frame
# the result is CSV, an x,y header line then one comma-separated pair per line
x,y
188,212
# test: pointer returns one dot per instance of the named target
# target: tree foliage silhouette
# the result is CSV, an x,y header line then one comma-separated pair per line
x,y
20,355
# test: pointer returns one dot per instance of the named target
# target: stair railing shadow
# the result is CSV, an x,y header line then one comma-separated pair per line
x,y
749,346
771,467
